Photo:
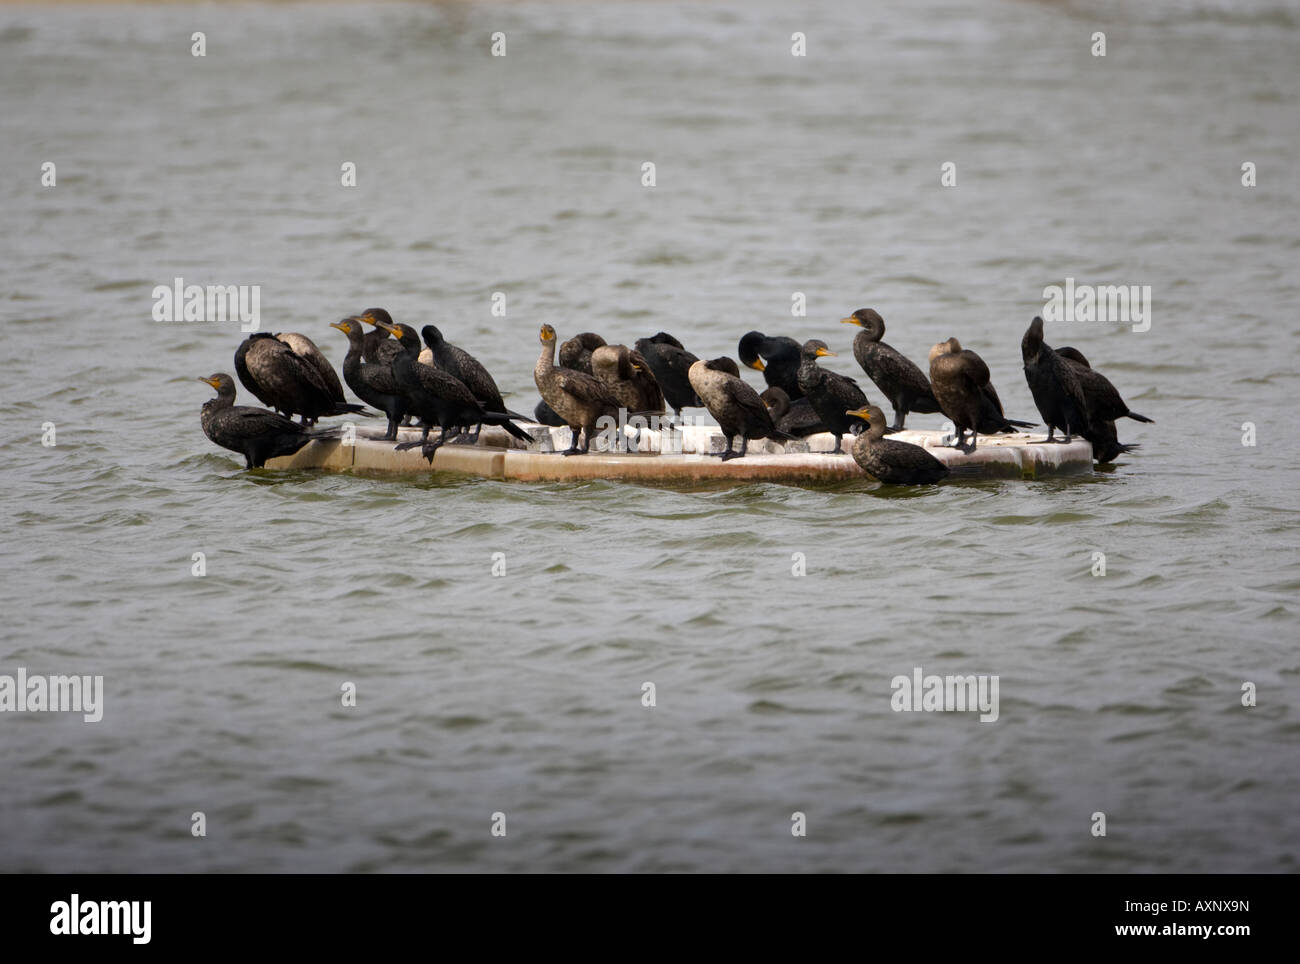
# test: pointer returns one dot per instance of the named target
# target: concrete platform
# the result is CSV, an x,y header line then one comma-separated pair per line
x,y
678,457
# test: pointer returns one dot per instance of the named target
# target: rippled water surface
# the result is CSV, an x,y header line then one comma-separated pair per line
x,y
522,694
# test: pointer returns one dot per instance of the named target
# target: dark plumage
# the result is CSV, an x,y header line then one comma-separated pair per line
x,y
1105,405
1104,399
377,348
543,414
670,364
906,387
255,433
889,460
581,399
289,373
461,365
958,378
629,379
374,384
1054,383
777,357
576,352
437,397
736,406
831,394
796,419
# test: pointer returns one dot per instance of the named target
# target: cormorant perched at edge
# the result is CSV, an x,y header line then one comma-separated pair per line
x,y
577,397
889,460
437,397
257,434
1055,386
374,384
461,365
831,394
734,403
794,418
289,373
777,357
1104,405
670,363
897,377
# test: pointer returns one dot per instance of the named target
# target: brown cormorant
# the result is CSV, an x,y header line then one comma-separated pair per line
x,y
576,352
736,406
257,434
830,393
1054,384
890,460
670,363
628,377
906,387
777,357
796,419
374,384
577,397
437,397
289,373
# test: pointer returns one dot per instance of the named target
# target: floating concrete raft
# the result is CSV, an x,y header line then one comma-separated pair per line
x,y
679,456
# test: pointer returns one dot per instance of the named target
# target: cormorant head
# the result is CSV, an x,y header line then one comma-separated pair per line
x,y
403,333
663,338
432,336
950,347
223,383
546,335
723,364
349,326
751,343
1032,343
816,348
1074,355
869,319
377,317
776,400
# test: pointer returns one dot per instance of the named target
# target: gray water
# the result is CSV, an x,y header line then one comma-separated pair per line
x,y
522,695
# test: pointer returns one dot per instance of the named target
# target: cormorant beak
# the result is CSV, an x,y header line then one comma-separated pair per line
x,y
757,365
340,325
861,413
547,335
369,320
208,381
391,329
849,321
823,353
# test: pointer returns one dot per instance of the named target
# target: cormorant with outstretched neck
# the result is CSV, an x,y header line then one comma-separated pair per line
x,y
437,397
906,387
831,394
1054,384
890,460
796,419
777,357
461,365
670,363
374,384
736,406
288,372
577,397
255,433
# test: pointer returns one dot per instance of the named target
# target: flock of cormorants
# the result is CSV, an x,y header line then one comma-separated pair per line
x,y
445,387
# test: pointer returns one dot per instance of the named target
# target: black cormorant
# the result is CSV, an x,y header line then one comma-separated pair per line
x,y
905,385
890,460
374,384
257,434
1054,384
670,364
796,419
777,357
289,373
830,393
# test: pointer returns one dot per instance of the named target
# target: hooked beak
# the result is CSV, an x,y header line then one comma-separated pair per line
x,y
823,353
757,365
